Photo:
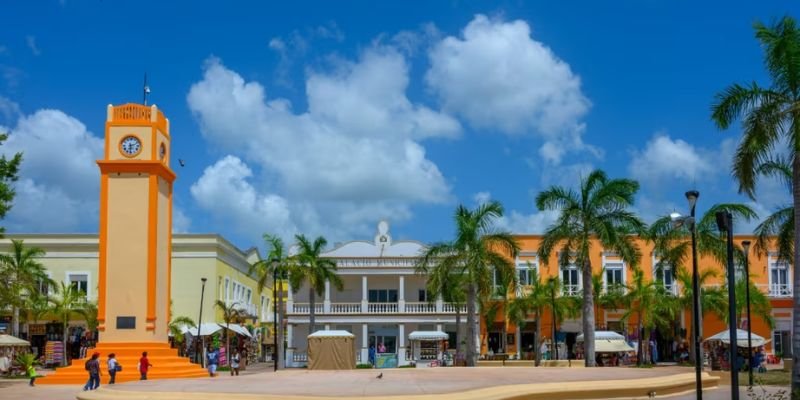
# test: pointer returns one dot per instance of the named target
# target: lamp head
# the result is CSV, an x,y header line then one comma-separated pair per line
x,y
746,246
676,217
275,261
692,196
203,279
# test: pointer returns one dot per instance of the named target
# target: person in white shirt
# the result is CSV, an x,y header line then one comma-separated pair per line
x,y
5,364
112,367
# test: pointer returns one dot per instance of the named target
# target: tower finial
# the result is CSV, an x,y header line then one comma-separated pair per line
x,y
146,89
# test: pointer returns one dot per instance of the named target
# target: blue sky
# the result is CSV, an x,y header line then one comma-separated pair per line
x,y
324,117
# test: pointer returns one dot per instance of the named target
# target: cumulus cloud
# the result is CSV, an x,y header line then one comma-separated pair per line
x,y
664,157
353,157
496,76
519,222
59,180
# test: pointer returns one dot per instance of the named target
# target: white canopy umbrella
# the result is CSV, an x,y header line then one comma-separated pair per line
x,y
238,329
741,338
12,341
206,328
608,342
428,335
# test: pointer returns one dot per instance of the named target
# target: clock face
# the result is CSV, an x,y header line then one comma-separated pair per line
x,y
130,146
162,151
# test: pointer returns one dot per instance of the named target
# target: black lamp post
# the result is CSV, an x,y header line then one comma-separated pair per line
x,y
275,263
200,323
725,224
553,308
746,248
678,220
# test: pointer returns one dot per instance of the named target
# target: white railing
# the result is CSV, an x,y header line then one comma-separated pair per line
x,y
250,309
383,308
451,308
780,290
376,308
571,290
345,308
372,263
420,308
300,357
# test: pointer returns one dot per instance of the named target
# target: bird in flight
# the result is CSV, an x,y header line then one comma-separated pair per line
x,y
180,161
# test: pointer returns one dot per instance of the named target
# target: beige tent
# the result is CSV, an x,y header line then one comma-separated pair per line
x,y
331,350
608,342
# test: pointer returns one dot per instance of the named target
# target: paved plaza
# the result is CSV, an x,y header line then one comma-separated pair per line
x,y
264,384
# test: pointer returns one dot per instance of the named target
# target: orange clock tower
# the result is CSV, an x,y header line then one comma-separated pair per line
x,y
135,249
135,226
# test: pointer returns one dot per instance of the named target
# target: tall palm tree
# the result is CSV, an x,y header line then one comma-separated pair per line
x,y
771,121
712,299
230,314
309,267
67,303
176,330
532,299
599,210
476,249
653,307
780,225
264,271
450,286
21,272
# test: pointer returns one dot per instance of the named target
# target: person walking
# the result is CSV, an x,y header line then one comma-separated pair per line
x,y
31,374
113,367
235,358
212,360
371,355
93,367
144,366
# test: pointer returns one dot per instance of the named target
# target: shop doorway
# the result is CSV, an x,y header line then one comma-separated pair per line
x,y
495,342
389,341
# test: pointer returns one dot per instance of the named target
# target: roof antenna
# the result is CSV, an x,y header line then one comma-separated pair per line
x,y
146,89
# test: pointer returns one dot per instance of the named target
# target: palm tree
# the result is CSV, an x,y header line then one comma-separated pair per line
x,y
533,299
450,286
780,225
230,314
652,305
598,210
760,305
605,298
309,267
68,302
37,306
771,120
476,248
176,330
712,299
264,271
22,272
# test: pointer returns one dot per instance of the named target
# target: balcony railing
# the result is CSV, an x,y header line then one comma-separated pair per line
x,y
571,290
375,308
780,290
249,309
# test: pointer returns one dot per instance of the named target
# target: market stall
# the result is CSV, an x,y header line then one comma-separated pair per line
x,y
427,347
719,344
10,347
609,347
331,350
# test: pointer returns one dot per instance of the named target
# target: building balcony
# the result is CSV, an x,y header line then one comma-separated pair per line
x,y
778,289
246,308
375,308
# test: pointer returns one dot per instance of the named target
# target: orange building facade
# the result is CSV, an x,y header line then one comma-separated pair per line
x,y
771,276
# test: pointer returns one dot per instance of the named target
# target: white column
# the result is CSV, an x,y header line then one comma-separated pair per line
x,y
401,349
364,297
401,295
289,298
439,304
326,305
327,327
439,327
364,343
290,345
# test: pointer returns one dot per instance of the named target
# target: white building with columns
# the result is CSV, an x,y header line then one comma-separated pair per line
x,y
383,300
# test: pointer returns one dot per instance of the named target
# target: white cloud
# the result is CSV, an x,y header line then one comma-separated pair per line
x,y
519,222
665,158
355,155
180,221
9,111
31,41
59,180
482,197
497,76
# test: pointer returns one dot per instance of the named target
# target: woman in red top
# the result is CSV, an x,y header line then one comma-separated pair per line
x,y
144,366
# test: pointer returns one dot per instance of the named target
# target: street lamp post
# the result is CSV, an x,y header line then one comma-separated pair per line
x,y
200,323
275,262
746,248
725,224
678,220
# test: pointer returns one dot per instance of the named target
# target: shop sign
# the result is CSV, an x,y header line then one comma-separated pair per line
x,y
36,329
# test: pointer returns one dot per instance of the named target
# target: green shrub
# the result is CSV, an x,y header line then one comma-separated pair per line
x,y
408,366
364,366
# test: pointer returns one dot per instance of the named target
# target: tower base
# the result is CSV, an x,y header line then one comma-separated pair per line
x,y
165,360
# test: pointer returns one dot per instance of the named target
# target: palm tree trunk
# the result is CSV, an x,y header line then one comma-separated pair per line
x,y
458,330
228,342
640,336
796,279
537,339
15,321
588,315
311,314
64,343
471,297
279,331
